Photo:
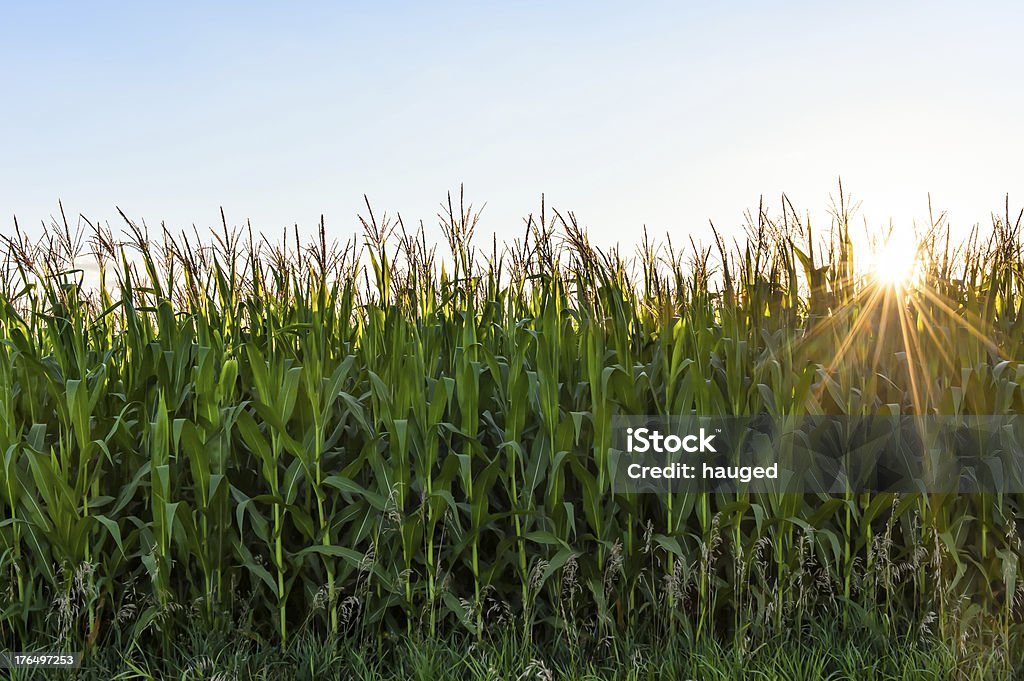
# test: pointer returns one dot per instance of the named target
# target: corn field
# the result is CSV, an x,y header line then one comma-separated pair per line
x,y
374,438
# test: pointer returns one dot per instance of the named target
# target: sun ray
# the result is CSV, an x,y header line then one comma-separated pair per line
x,y
883,327
963,319
930,329
909,337
838,316
865,314
850,337
895,278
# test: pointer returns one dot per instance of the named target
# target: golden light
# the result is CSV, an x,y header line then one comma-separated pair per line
x,y
894,263
899,310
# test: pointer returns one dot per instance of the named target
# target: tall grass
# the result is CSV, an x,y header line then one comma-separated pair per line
x,y
371,438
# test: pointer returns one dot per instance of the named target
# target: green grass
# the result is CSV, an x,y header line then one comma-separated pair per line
x,y
822,656
310,442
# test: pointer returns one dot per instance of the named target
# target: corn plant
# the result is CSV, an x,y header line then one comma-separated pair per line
x,y
373,437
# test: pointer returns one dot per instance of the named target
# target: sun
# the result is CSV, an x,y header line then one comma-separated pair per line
x,y
894,262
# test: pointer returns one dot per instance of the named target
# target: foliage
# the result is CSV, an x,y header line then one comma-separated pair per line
x,y
305,438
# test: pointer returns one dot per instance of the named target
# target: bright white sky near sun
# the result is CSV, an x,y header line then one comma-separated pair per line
x,y
661,114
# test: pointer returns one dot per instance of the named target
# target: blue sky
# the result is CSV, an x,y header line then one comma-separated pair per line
x,y
664,114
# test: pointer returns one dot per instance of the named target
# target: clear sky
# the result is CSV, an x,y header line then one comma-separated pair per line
x,y
664,114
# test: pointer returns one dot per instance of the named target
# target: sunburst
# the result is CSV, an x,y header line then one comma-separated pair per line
x,y
895,263
896,303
